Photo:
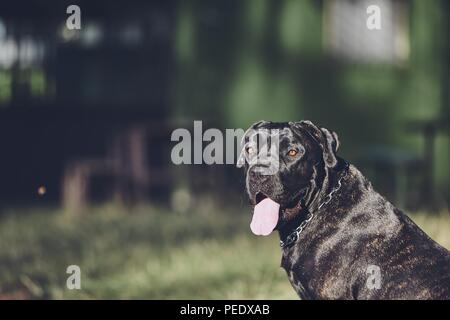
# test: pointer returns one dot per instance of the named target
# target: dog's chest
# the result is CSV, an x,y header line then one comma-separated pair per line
x,y
296,284
288,264
312,281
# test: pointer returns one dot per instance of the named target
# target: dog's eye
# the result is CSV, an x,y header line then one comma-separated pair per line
x,y
292,153
249,150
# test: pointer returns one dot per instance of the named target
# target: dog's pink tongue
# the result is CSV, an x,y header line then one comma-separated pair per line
x,y
265,217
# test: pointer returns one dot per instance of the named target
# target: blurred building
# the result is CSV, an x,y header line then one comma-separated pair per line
x,y
77,106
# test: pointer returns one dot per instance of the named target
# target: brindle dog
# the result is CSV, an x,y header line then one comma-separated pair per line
x,y
353,243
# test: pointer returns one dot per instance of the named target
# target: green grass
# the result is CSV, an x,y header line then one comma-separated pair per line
x,y
148,253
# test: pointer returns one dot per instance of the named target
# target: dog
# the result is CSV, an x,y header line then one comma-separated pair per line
x,y
340,239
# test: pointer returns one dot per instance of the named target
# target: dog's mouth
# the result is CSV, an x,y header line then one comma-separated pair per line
x,y
266,212
295,206
259,197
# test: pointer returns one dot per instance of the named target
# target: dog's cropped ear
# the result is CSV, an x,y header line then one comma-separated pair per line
x,y
241,158
328,140
331,147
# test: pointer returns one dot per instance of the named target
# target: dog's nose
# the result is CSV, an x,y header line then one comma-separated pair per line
x,y
259,171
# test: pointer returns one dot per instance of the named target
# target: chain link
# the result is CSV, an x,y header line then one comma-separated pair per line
x,y
330,195
294,235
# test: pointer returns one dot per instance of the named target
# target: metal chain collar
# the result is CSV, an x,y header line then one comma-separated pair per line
x,y
294,235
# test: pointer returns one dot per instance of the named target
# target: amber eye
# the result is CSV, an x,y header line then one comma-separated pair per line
x,y
249,150
292,153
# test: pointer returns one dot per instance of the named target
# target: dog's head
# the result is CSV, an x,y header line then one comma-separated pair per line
x,y
283,164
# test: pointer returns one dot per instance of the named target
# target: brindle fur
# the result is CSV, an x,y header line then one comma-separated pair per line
x,y
356,229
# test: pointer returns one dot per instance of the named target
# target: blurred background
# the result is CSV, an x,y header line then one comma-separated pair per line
x,y
86,117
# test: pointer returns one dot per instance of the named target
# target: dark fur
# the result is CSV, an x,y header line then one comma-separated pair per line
x,y
356,229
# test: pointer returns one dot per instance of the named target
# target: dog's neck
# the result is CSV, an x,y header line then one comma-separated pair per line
x,y
316,198
299,259
330,179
